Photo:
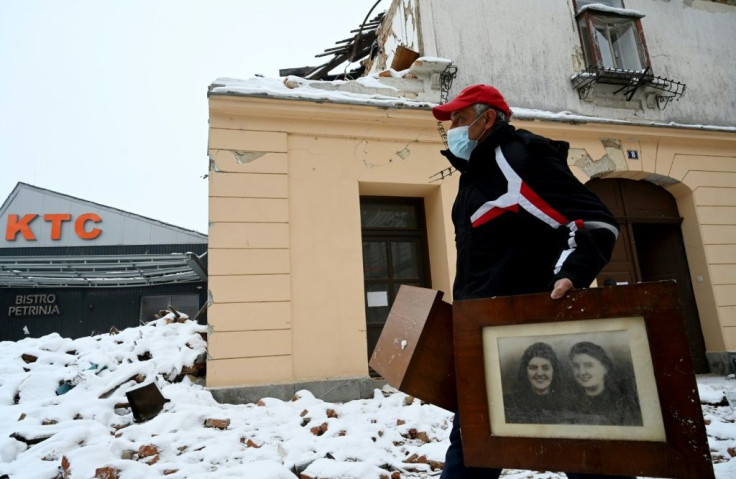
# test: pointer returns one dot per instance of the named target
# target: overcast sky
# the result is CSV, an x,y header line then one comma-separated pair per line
x,y
107,100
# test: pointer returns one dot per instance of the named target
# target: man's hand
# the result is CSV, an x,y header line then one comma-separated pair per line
x,y
562,286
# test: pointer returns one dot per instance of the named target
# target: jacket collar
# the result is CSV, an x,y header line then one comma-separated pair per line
x,y
499,136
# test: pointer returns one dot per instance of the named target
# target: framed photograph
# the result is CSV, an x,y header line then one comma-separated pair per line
x,y
580,383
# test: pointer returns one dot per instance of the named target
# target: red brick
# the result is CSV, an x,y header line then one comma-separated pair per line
x,y
147,450
217,423
106,472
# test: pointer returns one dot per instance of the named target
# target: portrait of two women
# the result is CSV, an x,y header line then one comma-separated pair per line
x,y
577,384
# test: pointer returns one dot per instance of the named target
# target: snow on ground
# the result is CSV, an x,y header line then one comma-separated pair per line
x,y
65,415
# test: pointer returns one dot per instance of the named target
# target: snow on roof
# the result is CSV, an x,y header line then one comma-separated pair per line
x,y
370,91
410,88
566,116
375,91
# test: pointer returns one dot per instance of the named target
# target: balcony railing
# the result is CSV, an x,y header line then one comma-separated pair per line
x,y
664,89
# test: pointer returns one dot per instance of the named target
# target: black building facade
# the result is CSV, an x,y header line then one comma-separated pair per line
x,y
78,268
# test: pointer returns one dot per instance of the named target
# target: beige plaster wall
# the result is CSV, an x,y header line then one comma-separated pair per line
x,y
286,177
289,294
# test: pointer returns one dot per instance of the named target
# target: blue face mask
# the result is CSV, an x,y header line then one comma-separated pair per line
x,y
460,143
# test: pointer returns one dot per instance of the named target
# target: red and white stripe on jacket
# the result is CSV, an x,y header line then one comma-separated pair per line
x,y
519,194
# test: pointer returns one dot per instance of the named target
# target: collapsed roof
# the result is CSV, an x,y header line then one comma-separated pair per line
x,y
363,44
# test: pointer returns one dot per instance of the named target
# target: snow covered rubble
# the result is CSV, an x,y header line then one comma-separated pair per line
x,y
64,414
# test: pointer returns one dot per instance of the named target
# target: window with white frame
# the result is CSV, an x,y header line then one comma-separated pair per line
x,y
611,35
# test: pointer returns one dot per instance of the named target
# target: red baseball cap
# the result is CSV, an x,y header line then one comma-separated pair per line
x,y
469,96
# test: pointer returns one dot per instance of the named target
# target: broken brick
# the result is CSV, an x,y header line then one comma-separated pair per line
x,y
416,459
217,423
422,436
419,435
106,472
436,465
319,430
147,450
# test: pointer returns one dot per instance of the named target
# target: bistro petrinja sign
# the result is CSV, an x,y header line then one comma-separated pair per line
x,y
28,305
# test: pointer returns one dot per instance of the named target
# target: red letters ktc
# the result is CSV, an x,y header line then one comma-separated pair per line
x,y
22,225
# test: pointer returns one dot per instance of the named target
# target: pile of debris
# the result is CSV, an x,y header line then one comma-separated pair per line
x,y
126,386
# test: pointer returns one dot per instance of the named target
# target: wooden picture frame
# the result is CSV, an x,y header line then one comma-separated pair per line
x,y
640,331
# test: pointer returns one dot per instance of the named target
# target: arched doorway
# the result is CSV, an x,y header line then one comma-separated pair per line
x,y
650,247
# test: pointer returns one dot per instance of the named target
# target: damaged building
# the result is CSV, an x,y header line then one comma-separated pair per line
x,y
328,191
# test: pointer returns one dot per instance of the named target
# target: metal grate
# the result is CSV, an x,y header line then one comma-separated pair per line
x,y
630,81
446,79
100,271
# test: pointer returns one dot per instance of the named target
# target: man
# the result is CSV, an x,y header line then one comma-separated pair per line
x,y
523,222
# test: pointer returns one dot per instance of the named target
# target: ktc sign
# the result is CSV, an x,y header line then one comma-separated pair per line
x,y
34,305
22,225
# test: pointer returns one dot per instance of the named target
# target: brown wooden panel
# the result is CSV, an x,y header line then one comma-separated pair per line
x,y
636,200
684,453
414,352
622,266
609,194
644,200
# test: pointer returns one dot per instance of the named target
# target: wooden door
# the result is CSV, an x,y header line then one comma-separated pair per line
x,y
394,253
650,248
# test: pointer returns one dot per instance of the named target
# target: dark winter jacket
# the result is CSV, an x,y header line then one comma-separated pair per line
x,y
522,219
525,407
607,408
